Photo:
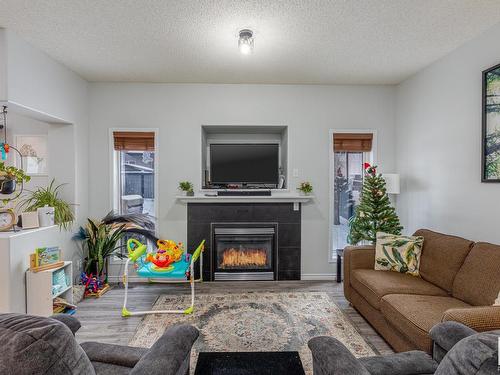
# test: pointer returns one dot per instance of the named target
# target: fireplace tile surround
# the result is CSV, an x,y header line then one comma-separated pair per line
x,y
201,218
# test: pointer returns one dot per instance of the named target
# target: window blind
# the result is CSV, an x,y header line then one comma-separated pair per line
x,y
352,142
134,141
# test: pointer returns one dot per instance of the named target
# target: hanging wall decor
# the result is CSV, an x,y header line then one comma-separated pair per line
x,y
10,176
490,140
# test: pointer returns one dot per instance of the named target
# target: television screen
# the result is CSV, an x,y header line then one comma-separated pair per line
x,y
244,164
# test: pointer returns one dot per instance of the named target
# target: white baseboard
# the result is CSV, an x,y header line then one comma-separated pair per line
x,y
304,276
319,276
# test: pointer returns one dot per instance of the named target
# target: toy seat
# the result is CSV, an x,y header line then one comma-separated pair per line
x,y
182,270
178,270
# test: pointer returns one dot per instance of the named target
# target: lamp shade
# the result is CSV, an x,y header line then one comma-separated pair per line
x,y
391,182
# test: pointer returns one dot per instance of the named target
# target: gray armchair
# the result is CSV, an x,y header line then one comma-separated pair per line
x,y
36,345
458,350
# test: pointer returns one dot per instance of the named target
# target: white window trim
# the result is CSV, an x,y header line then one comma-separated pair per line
x,y
372,159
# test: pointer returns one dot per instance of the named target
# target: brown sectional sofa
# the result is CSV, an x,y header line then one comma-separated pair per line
x,y
460,281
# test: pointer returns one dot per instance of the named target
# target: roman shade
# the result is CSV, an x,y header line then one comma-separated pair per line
x,y
134,141
352,142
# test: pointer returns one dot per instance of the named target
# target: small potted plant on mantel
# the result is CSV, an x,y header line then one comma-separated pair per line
x,y
186,187
305,188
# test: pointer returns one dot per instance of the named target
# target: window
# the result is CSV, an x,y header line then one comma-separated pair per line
x,y
134,174
350,152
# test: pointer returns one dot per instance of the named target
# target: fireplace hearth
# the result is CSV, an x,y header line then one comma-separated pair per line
x,y
243,252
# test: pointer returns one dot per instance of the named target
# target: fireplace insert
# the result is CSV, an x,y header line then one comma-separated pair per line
x,y
244,253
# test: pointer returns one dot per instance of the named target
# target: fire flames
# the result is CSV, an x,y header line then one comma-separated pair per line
x,y
243,257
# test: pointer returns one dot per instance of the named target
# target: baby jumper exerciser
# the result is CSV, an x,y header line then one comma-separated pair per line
x,y
169,263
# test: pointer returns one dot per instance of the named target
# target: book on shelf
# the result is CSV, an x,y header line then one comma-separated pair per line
x,y
61,306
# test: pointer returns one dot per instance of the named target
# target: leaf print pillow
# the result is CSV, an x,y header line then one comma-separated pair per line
x,y
398,253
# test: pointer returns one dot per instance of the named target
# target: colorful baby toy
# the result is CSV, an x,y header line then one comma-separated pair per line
x,y
170,260
4,150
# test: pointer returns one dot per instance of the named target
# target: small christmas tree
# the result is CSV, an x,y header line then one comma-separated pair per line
x,y
374,212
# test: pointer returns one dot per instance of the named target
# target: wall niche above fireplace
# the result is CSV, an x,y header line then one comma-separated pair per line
x,y
247,241
264,146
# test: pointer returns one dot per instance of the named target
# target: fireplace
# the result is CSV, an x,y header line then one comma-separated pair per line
x,y
243,252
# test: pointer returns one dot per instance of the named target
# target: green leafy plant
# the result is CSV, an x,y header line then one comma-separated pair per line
x,y
100,241
102,238
13,173
305,187
42,196
186,186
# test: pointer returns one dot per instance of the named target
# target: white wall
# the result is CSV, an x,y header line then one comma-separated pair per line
x,y
37,86
44,86
178,111
438,131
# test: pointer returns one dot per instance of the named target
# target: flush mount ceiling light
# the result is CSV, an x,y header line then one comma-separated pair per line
x,y
245,42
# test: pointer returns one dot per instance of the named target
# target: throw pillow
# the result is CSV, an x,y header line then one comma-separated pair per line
x,y
398,253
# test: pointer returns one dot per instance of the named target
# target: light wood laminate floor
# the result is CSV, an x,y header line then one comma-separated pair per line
x,y
102,321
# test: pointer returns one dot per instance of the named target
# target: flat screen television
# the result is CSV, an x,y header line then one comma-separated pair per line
x,y
247,164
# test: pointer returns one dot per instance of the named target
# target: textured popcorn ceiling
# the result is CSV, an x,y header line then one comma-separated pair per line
x,y
343,41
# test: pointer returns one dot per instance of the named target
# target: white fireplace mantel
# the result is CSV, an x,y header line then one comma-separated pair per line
x,y
274,198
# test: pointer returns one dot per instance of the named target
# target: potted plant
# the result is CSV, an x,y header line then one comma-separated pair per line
x,y
102,239
186,187
9,177
305,188
49,196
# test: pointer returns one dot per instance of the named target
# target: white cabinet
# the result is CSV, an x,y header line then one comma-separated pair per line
x,y
15,250
40,291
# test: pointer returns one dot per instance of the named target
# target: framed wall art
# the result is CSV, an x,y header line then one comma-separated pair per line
x,y
33,149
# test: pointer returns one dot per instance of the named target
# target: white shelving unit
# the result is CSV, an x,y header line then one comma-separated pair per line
x,y
39,297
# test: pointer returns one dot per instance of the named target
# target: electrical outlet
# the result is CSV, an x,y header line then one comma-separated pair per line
x,y
79,265
295,172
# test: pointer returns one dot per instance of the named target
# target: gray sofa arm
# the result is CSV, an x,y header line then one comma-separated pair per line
x,y
331,357
120,355
169,355
70,321
447,334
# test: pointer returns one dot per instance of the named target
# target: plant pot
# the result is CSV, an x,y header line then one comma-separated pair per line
x,y
189,193
7,186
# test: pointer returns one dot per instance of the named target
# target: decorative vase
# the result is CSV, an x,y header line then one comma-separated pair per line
x,y
8,186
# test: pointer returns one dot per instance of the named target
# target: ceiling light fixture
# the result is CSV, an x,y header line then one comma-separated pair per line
x,y
246,42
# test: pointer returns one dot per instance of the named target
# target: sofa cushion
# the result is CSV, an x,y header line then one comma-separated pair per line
x,y
414,315
413,362
36,345
442,257
373,285
478,281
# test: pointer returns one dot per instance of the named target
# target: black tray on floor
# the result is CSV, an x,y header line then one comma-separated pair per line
x,y
249,363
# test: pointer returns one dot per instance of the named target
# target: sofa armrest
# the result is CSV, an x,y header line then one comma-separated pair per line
x,y
70,321
447,334
169,355
356,257
480,318
120,355
331,357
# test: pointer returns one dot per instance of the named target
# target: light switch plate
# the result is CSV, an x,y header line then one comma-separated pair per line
x,y
295,172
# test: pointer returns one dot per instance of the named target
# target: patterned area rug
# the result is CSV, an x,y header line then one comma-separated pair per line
x,y
255,322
